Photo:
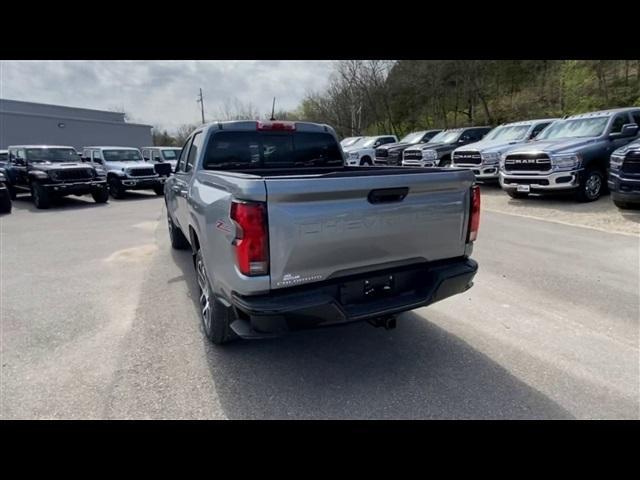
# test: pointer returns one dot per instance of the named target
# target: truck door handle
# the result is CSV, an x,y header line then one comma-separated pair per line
x,y
388,195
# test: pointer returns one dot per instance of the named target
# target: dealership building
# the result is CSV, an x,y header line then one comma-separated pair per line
x,y
27,123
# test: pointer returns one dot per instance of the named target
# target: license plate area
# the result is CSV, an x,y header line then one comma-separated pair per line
x,y
523,188
369,289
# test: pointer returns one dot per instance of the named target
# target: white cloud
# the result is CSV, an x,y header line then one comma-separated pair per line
x,y
163,93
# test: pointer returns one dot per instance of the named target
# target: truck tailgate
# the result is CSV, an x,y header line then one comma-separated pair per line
x,y
327,227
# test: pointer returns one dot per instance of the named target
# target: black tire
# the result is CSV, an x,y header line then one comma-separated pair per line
x,y
591,187
159,189
5,204
12,192
115,188
40,196
100,195
626,205
178,240
366,161
515,194
215,322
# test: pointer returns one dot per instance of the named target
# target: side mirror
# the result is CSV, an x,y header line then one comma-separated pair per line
x,y
146,159
97,160
628,130
18,161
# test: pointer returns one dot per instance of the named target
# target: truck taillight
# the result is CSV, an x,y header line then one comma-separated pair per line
x,y
271,125
252,240
474,216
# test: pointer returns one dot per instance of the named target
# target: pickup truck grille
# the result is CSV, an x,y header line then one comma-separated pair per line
x,y
527,162
467,158
141,172
382,153
631,163
72,174
413,154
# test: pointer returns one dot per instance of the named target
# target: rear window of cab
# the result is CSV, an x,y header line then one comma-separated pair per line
x,y
246,150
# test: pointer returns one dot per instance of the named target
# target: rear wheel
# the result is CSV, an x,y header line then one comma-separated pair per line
x,y
40,196
100,195
159,189
514,194
178,240
115,188
366,161
591,188
214,322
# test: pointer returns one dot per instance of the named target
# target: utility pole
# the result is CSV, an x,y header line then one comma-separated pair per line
x,y
273,109
201,102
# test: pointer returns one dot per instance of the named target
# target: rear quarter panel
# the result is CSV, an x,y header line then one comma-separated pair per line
x,y
210,197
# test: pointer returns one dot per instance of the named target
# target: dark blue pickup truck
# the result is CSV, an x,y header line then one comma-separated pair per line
x,y
572,155
624,176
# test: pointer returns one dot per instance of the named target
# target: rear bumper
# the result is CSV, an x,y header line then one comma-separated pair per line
x,y
624,189
343,301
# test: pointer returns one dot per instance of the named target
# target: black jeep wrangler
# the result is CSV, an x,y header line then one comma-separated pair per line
x,y
48,171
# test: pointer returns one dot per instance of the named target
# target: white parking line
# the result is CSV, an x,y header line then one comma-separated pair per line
x,y
562,223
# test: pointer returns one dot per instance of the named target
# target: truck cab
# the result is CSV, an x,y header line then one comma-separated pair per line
x,y
363,152
571,156
50,171
437,153
125,169
391,153
483,157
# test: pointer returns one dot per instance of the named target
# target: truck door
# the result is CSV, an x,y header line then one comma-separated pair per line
x,y
183,180
619,121
19,167
155,156
176,184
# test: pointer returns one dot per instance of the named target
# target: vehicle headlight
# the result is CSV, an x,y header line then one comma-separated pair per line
x,y
616,162
490,158
429,155
39,174
353,155
101,172
568,161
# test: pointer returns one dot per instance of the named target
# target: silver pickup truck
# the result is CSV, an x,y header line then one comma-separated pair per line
x,y
285,236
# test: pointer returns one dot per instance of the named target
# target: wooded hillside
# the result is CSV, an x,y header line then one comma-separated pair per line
x,y
375,97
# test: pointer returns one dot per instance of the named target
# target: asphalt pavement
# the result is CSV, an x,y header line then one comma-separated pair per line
x,y
99,320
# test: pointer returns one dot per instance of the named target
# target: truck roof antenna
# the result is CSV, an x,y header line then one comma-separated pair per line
x,y
273,109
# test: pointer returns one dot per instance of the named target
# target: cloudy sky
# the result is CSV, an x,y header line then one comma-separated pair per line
x,y
163,93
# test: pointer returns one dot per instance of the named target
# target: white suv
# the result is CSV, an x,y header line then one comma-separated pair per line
x,y
364,151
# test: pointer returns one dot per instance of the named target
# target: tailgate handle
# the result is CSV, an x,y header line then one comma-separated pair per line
x,y
388,195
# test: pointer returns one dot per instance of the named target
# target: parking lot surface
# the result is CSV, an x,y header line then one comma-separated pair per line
x,y
99,320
